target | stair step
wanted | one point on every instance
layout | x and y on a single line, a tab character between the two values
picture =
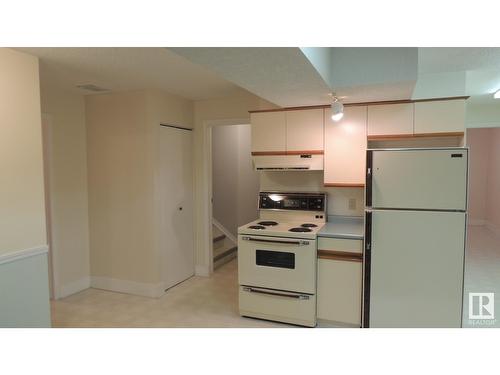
225	253
219	238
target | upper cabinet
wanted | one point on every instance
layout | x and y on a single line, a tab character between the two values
390	119
268	131
304	130
441	116
345	148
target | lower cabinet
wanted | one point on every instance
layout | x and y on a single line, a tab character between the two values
339	288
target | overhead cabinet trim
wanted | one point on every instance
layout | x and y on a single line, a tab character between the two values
402	101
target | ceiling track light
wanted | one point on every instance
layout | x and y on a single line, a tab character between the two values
496	95
337	108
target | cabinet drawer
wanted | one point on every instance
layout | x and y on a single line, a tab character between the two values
340	244
339	291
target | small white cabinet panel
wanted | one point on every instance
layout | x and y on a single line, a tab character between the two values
390	119
268	131
339	291
304	130
345	148
443	116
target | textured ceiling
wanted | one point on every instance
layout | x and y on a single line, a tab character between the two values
438	59
129	69
283	76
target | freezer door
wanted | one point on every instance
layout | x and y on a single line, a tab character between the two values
415	263
418	179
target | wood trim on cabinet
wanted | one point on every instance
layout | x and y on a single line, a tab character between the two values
304	152
340	255
267	153
340	184
382	137
401	101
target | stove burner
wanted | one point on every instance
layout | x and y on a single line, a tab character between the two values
256	227
267	223
308	225
300	229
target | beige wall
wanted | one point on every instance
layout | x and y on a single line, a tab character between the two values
493	190
67	173
235	183
478	141
22	207
484	178
122	146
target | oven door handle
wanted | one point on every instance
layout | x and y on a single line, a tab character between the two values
299	242
277	294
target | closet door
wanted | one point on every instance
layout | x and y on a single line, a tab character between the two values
176	205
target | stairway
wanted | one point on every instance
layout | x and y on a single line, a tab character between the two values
224	249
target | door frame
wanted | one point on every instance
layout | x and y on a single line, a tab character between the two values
207	241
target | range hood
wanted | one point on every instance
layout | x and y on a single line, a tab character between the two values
305	162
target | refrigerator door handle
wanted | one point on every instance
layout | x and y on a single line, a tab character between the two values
369	173
367	268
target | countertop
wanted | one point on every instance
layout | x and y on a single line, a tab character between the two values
343	227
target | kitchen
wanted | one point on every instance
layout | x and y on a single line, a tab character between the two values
334	178
292	140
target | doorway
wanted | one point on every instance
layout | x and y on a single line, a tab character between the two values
235	187
482	264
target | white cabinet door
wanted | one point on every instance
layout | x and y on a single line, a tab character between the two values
339	290
304	130
176	205
268	131
345	148
390	119
446	116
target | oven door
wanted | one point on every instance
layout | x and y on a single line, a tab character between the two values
277	263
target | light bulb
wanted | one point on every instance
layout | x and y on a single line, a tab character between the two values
338	116
337	110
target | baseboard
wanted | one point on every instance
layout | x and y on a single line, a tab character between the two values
224	230
202	270
476	222
73	287
129	287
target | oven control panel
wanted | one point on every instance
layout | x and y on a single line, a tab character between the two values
292	201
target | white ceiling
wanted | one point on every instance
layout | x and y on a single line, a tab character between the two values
129	69
284	76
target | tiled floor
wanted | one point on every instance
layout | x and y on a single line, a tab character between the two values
213	302
197	302
482	270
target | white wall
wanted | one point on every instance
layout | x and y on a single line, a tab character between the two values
312	181
68	193
235	183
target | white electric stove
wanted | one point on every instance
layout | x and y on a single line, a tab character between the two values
277	258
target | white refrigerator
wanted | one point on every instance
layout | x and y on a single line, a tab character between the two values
415	227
